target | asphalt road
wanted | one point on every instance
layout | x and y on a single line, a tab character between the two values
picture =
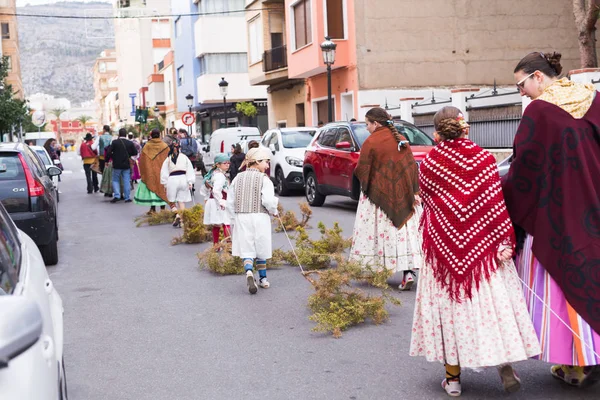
142	321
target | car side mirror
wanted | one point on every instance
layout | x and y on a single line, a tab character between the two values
272	148
343	145
21	326
54	171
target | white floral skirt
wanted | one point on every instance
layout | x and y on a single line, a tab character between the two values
378	243
491	328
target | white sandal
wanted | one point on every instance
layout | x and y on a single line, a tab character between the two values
452	387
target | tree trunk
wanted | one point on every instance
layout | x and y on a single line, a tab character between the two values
586	16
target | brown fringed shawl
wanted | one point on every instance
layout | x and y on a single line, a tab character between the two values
553	193
388	177
464	219
153	155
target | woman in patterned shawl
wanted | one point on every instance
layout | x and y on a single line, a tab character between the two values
552	192
469	309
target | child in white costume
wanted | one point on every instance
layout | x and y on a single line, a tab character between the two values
250	201
178	176
215	190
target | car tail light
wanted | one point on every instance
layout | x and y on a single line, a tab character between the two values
35	187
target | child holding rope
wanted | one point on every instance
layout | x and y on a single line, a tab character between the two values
214	191
251	199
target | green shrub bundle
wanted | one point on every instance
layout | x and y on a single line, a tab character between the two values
337	305
156	218
289	219
317	254
219	260
194	230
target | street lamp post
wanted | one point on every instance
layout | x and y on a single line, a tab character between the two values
223	85
190	102
328	50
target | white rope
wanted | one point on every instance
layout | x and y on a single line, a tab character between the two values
290	242
555	314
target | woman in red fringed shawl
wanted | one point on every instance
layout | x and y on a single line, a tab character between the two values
553	193
386	229
469	310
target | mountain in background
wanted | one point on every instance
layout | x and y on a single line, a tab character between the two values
57	55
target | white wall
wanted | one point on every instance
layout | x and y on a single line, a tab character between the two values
221	35
155	93
239	88
169	87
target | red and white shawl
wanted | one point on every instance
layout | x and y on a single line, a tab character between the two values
464	219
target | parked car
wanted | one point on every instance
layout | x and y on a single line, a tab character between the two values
287	146
222	139
27	192
31	321
45	159
331	158
504	165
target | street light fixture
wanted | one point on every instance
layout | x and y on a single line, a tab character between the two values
190	103
223	85
328	50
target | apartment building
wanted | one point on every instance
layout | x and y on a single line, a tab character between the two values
221	47
140	43
105	81
408	57
10	45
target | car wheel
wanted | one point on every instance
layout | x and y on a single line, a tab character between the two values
280	184
50	251
313	196
62	383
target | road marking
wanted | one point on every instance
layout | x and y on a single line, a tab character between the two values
67	171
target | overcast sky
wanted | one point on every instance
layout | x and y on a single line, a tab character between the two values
21	3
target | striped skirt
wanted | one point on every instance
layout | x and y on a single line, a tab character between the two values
559	344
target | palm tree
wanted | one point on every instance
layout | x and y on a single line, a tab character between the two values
57	112
83	119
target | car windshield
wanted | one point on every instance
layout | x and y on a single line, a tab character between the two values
296	139
42	154
412	134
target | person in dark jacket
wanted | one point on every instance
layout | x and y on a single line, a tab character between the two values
237	159
121	151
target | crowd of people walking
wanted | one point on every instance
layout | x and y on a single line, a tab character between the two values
509	269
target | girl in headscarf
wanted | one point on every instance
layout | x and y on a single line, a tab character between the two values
552	192
386	230
469	309
178	176
251	199
215	195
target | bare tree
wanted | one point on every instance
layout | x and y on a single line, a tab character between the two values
586	15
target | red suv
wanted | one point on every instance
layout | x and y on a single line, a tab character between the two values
332	155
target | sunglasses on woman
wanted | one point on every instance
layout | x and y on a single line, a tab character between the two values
521	83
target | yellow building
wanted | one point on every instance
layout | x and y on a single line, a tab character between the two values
10	45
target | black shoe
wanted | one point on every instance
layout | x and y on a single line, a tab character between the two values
128	201
107	195
96	190
90	192
115	200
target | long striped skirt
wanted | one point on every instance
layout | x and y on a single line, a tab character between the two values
559	344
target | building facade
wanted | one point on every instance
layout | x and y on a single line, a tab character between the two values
105	81
10	46
140	43
221	47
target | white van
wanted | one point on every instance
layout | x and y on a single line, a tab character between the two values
39	138
222	139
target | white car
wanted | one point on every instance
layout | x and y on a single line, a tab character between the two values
287	146
31	321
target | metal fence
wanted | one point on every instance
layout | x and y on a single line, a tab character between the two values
275	58
493	134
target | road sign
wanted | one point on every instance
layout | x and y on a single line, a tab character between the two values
188	118
38	118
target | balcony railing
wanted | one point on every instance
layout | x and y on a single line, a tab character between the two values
275	58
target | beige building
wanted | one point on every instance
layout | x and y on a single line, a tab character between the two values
105	81
267	63
10	45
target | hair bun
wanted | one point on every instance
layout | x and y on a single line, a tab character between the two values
554	61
